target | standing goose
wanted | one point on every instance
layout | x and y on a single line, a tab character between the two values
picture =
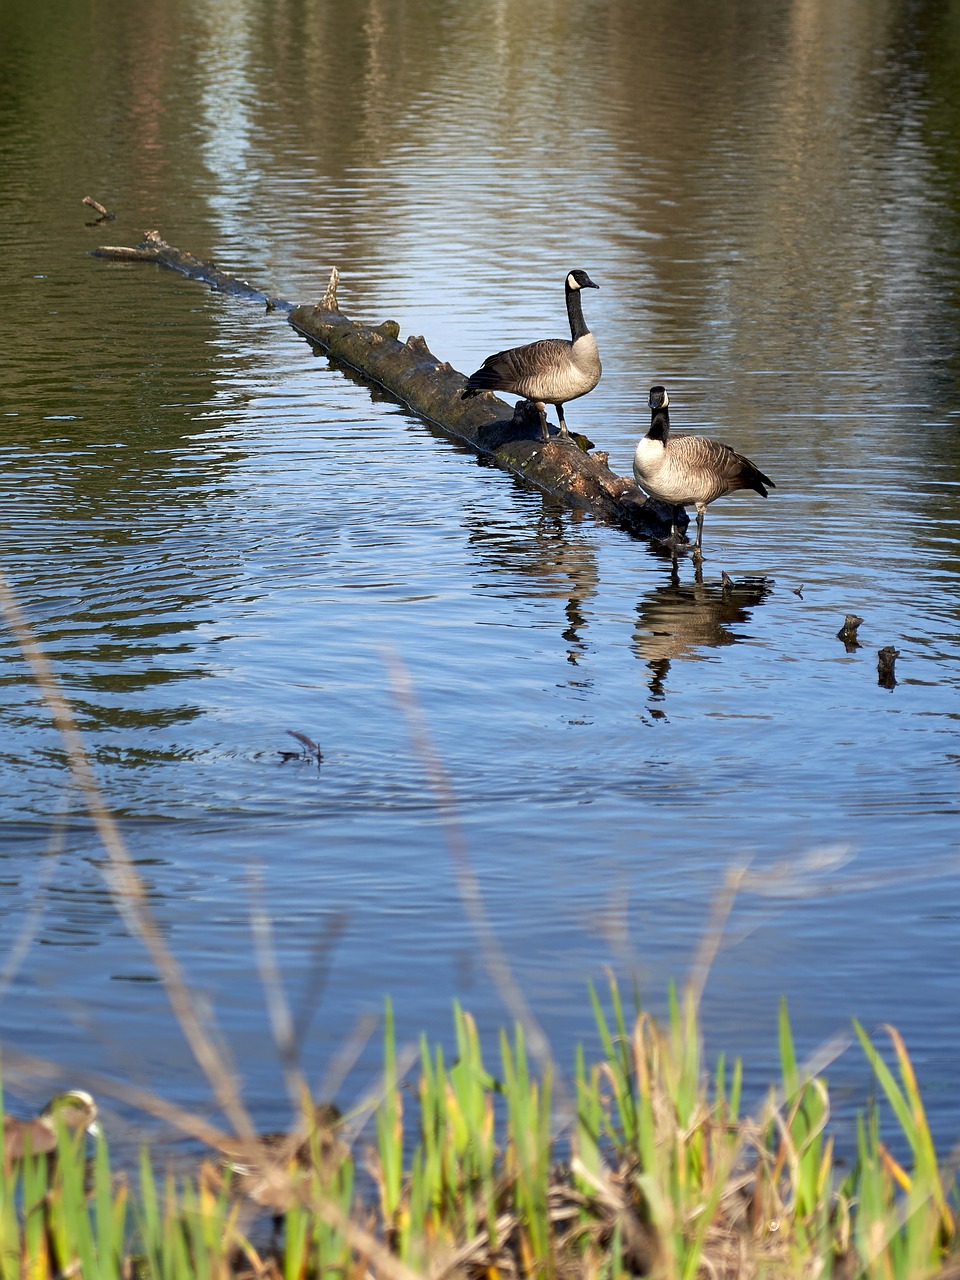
551	371
686	469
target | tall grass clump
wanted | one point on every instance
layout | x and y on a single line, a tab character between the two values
657	1171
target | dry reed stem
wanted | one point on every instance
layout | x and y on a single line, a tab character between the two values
318	975
278	1008
123	882
495	960
716	928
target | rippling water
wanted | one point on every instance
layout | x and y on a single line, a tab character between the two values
219	537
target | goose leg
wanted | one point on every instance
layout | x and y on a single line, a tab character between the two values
563	425
677	537
697	552
542	410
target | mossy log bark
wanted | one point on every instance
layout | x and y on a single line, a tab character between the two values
431	388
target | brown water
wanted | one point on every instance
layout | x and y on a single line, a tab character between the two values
219	538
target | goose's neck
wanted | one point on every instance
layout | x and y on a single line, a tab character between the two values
660	424
578	326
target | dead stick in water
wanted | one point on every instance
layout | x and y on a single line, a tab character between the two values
153	248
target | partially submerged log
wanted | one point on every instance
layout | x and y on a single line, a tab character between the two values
431	389
510	437
153	248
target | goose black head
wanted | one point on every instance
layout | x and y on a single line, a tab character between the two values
659	398
580	280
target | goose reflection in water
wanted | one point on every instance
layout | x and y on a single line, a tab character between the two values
541	563
675	621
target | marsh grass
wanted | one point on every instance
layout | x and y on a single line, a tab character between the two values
658	1173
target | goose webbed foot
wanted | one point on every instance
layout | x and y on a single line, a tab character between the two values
676	541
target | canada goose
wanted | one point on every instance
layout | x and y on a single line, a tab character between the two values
551	371
75	1109
686	469
261	1170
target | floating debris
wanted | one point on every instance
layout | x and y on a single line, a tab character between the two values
105	214
848	632
309	749
886	657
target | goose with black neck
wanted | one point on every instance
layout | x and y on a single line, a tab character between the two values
550	371
689	469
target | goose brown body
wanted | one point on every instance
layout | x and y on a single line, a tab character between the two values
261	1169
686	470
38	1135
550	371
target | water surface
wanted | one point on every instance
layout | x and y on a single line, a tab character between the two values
218	537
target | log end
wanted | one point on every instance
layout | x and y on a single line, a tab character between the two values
122	253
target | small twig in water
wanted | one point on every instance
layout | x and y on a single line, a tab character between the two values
309	749
105	214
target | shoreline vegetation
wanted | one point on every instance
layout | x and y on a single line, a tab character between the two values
656	1172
